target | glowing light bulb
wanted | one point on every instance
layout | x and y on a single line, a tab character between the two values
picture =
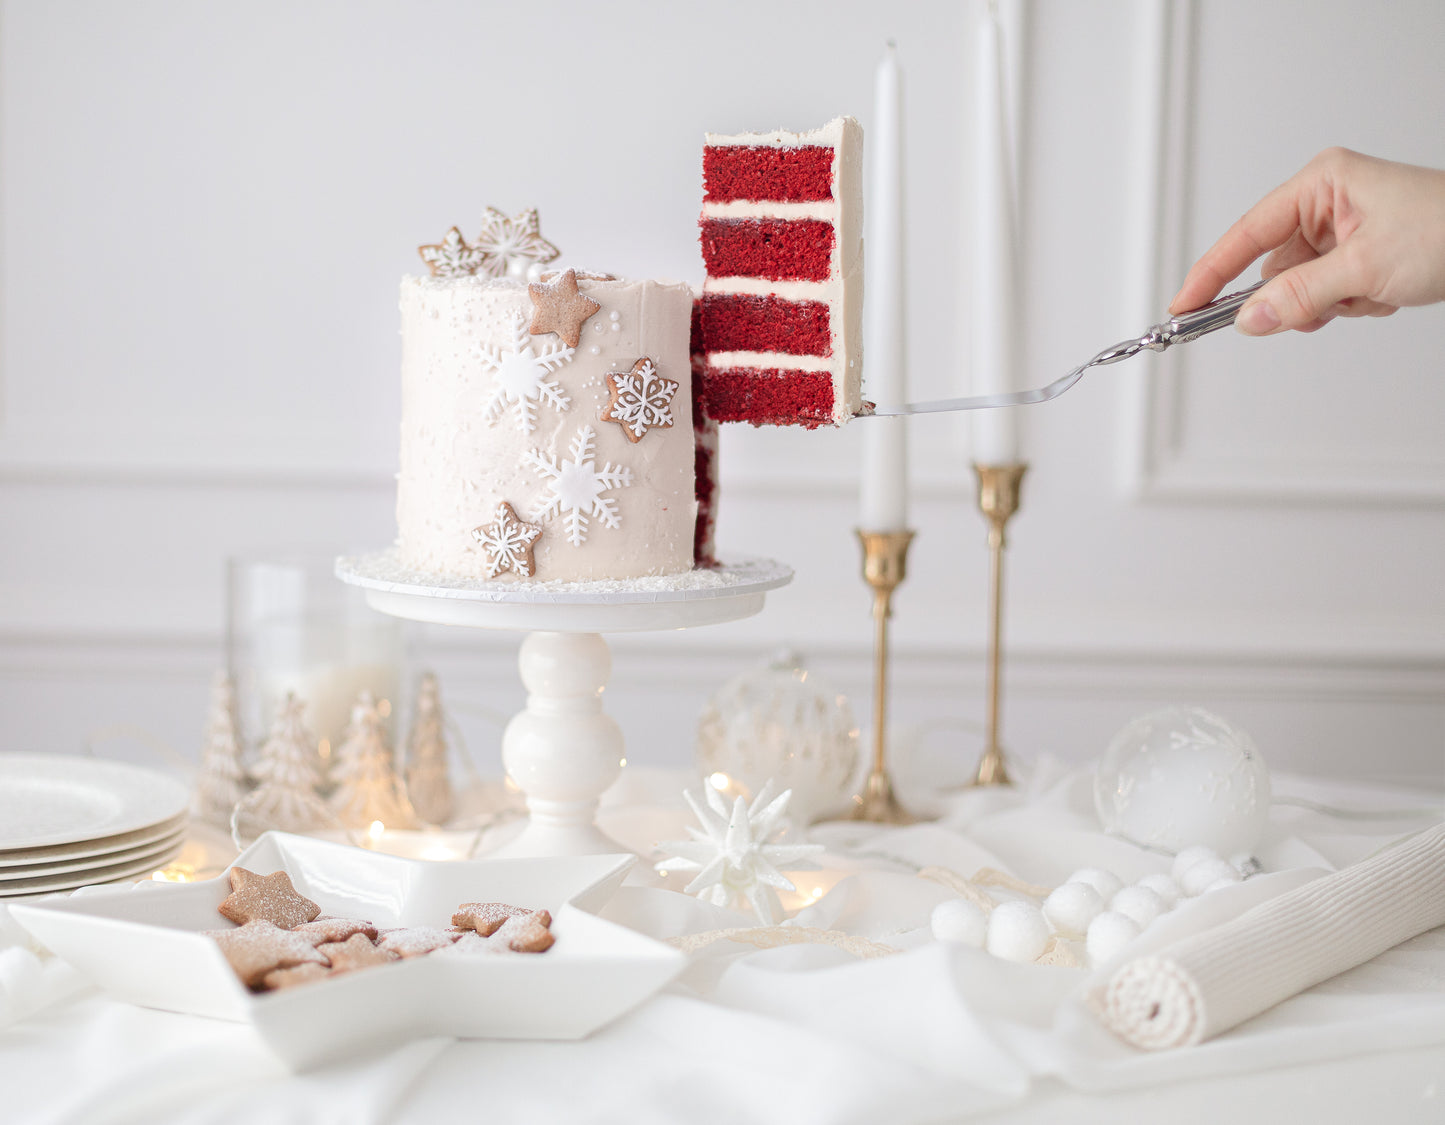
719	781
375	831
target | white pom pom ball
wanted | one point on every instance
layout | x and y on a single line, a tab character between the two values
1188	857
1017	931
1202	876
959	922
1138	903
1070	908
1108	934
1105	882
1163	886
1183	776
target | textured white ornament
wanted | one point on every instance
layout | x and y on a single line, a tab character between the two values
1109	933
1105	882
1017	931
576	487
959	922
736	864
781	723
1183	776
1163	886
1138	903
1070	908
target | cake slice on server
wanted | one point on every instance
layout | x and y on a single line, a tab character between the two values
781	308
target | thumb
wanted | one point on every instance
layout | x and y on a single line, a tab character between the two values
1300	297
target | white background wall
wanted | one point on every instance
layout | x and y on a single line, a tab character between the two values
205	208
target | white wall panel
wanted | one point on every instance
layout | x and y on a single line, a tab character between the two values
204	211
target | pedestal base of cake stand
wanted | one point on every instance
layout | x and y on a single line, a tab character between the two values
562	750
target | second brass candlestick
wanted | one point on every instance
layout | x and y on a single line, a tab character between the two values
998	500
885	558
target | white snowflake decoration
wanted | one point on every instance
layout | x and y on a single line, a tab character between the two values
509	246
576	487
641	400
519	376
735	863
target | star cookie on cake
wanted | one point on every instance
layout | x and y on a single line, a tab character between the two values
452	257
641	400
266	898
560	307
511	245
508	542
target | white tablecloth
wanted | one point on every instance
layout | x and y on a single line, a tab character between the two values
808	1033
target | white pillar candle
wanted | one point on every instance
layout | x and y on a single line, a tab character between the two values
884	494
995	327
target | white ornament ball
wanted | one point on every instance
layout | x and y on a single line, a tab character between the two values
959	922
1188	857
1017	932
1163	886
780	723
1070	908
1105	882
1108	934
1202	876
1183	776
1138	903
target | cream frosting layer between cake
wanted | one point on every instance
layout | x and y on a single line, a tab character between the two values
491	413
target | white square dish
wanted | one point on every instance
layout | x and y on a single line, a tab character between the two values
145	947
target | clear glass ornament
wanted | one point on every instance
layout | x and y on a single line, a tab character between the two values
780	722
1182	777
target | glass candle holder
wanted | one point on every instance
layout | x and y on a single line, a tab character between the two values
292	627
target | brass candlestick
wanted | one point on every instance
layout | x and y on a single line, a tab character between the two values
885	557
998	500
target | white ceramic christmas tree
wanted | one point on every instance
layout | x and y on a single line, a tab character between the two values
221	781
428	783
288	775
367	786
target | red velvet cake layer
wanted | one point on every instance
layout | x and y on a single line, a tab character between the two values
735	322
765	172
775	249
705	467
769	397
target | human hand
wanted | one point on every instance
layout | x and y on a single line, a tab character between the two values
1348	235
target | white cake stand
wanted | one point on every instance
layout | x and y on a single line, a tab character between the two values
561	749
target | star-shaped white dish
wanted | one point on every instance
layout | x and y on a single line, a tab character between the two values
144	947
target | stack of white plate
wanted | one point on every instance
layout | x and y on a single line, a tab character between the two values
67	822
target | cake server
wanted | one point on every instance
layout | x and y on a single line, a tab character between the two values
1176	330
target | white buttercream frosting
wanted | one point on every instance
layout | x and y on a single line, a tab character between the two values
466	445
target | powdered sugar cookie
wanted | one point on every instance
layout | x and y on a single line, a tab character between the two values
356	952
414	941
258	947
329	929
485	917
266	898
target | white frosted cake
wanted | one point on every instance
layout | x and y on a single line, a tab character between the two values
546	428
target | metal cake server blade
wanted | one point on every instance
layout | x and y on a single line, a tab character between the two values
1176	330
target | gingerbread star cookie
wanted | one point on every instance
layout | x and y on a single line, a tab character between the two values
452	257
414	941
485	917
525	933
326	929
356	952
268	898
296	974
641	400
507	542
560	307
258	947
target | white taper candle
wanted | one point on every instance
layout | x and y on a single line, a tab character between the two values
884	493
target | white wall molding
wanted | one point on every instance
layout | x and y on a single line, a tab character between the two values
1155	463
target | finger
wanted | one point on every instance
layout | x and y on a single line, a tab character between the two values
1300	296
1266	225
1363	306
1296	251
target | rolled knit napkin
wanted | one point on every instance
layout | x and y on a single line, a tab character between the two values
1209	983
